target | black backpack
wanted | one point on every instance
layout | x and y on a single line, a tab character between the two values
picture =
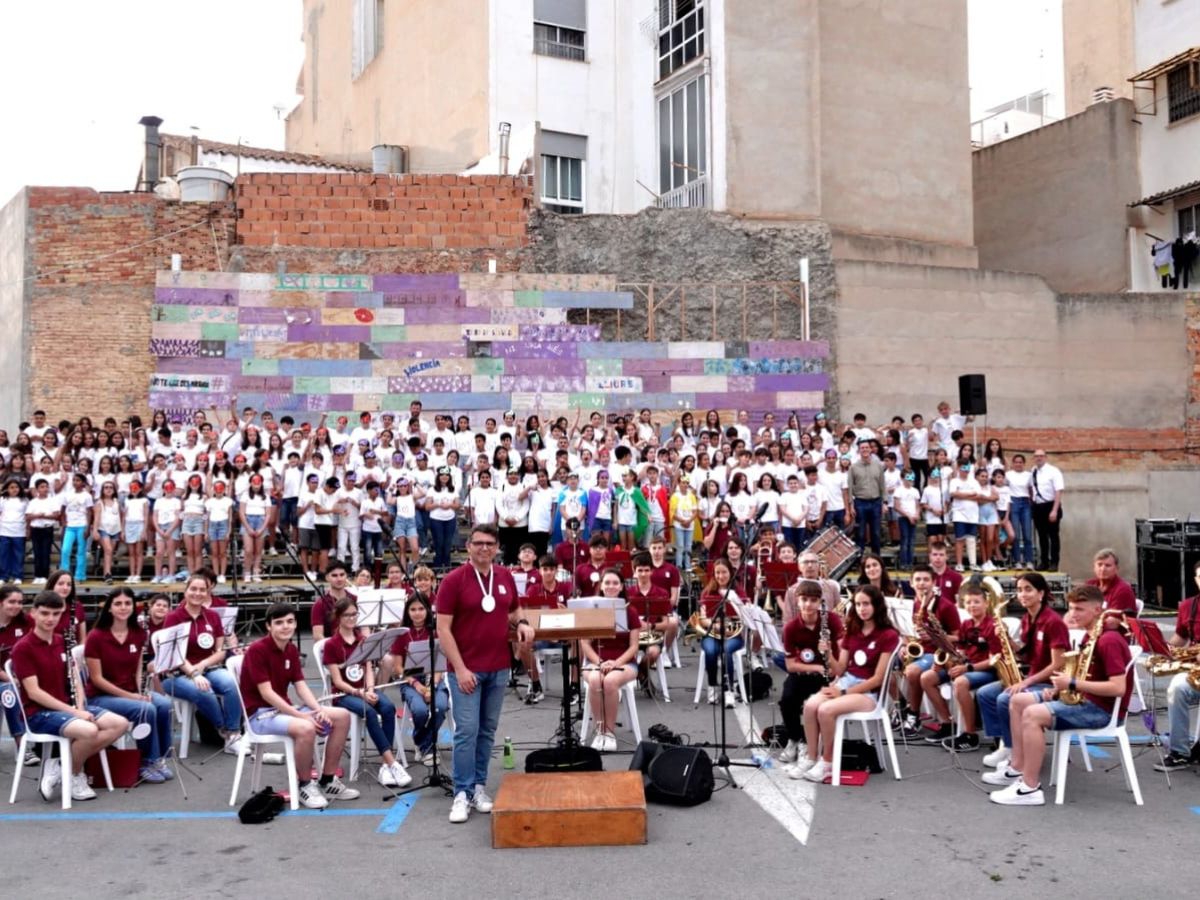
261	807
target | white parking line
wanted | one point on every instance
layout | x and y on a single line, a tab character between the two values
791	803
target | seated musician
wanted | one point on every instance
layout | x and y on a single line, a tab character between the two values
587	575
1105	683
427	697
927	604
423	585
667	576
321	615
270	665
861	665
39	663
807	657
719	587
14	625
810	570
363	579
1043	639
543	592
114	654
356	684
745	575
977	644
641	595
608	664
1181	696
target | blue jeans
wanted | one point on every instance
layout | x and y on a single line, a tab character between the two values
425	730
157	713
75	544
476	717
1181	697
224	714
381	718
424	528
794	536
867	513
835	517
1020	514
8	699
372	546
712	651
908	532
683	547
993	708
12	558
443	541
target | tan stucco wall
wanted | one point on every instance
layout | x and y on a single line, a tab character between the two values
427	88
1054	201
905	333
1097	49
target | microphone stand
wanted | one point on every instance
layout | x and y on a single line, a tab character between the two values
435	779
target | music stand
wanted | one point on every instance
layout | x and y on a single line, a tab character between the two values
228	616
170	652
380	607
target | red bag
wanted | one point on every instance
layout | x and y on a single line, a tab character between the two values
122	764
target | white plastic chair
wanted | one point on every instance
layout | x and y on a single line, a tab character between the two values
626	695
64	751
880	715
356	722
252	742
1114	729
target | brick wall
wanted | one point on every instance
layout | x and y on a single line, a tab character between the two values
413	212
1095	449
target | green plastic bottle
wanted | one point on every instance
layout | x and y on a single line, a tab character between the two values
509	760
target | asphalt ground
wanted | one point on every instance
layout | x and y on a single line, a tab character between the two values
933	833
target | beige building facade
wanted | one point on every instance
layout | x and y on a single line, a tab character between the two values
1097	50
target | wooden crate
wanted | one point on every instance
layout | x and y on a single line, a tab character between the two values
569	809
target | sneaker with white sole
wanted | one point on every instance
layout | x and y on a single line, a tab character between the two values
339	790
233	743
51	778
818	771
150	774
460	809
1019	794
610	742
80	789
712	695
220	579
797	769
598	742
311	796
1003	776
791	752
164	769
481	801
999	757
427	759
729	700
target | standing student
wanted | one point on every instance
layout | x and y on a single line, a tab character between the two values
442	505
905	503
166	531
404	526
137	513
350	529
13	525
684	508
192	522
43	513
77	506
108	525
272	664
372	513
1047	489
218	510
254	511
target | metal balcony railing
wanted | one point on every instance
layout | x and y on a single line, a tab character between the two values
693	195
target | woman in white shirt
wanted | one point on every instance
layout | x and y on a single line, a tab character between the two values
442	503
541	513
136	510
964	513
44	512
404	524
108	525
166	529
12	533
766	498
741	502
219	509
193	522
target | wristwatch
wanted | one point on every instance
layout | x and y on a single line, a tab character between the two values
970	667
522	621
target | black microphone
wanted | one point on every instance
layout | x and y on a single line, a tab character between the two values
762	511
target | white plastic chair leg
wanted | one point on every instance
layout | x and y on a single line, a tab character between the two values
1131	777
838	734
629	690
1060	773
662	678
289	753
237	774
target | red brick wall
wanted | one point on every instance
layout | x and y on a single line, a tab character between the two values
1097	448
413	212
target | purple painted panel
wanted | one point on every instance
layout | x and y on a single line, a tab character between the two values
435	384
756	400
201	366
817	382
427	297
354	299
418	350
533	350
401	282
174	347
323	402
447	315
196	296
779	349
545	367
560	333
656	384
740	383
662	367
266	315
545	385
315	333
262	382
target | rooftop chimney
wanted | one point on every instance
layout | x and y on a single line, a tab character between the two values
150	167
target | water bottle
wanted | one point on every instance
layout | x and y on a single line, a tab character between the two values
761	759
509	761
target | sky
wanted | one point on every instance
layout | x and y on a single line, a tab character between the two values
85	71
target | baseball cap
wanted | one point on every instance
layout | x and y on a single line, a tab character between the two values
831	454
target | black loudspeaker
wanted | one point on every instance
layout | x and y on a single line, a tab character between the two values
679	776
559	759
972	395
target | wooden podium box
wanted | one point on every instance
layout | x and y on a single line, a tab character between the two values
585	623
569	809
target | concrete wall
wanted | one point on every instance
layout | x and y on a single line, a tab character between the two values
1054	201
894	106
1052	362
427	89
14	311
1097	49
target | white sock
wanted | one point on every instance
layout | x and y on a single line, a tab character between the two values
971	551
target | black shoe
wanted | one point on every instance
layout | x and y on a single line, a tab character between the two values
1171	762
964	743
911	728
534	695
942	733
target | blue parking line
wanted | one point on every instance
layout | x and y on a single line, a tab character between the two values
1097	753
168	815
1196	810
395	816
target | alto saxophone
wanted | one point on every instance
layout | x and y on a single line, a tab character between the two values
1077	663
1004	663
914	649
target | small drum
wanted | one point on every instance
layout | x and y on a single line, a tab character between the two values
837	551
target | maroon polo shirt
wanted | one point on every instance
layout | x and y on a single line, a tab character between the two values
641	602
1042	635
32	656
335	653
413	636
20	626
205	634
865	649
589	587
947	584
80	616
1111	657
1118	595
801	642
120	661
482	637
537	597
564	553
947	615
612	648
265	662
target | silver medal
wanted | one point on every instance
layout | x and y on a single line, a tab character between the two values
489	603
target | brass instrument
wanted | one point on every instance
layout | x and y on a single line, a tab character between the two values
1180	659
648	637
1004	663
697	630
1077	663
913	647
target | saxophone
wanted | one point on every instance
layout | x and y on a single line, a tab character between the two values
1077	663
1004	663
913	649
945	654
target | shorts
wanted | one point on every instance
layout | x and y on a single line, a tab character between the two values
988	515
169	536
133	532
965	530
111	535
325	536
269	721
924	662
1064	716
255	522
309	539
193	527
405	527
848	681
935	529
975	680
52	721
218	531
626	529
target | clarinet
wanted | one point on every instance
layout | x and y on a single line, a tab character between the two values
824	635
69	640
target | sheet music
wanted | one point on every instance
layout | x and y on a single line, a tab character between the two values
418	657
556	621
381	606
617	605
170	646
375	646
228	616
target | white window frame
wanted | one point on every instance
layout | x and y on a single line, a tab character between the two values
366	35
691	168
556	48
673	30
570	204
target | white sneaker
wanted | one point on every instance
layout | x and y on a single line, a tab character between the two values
460	809
311	796
1019	794
1003	776
37	581
610	742
958	568
220	579
51	778
80	790
481	801
233	743
791	752
339	790
137	579
1000	757
818	771
989	566
271	551
427	759
598	742
712	696
394	775
797	769
729	701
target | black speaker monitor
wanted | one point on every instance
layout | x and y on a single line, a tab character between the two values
679	776
972	395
